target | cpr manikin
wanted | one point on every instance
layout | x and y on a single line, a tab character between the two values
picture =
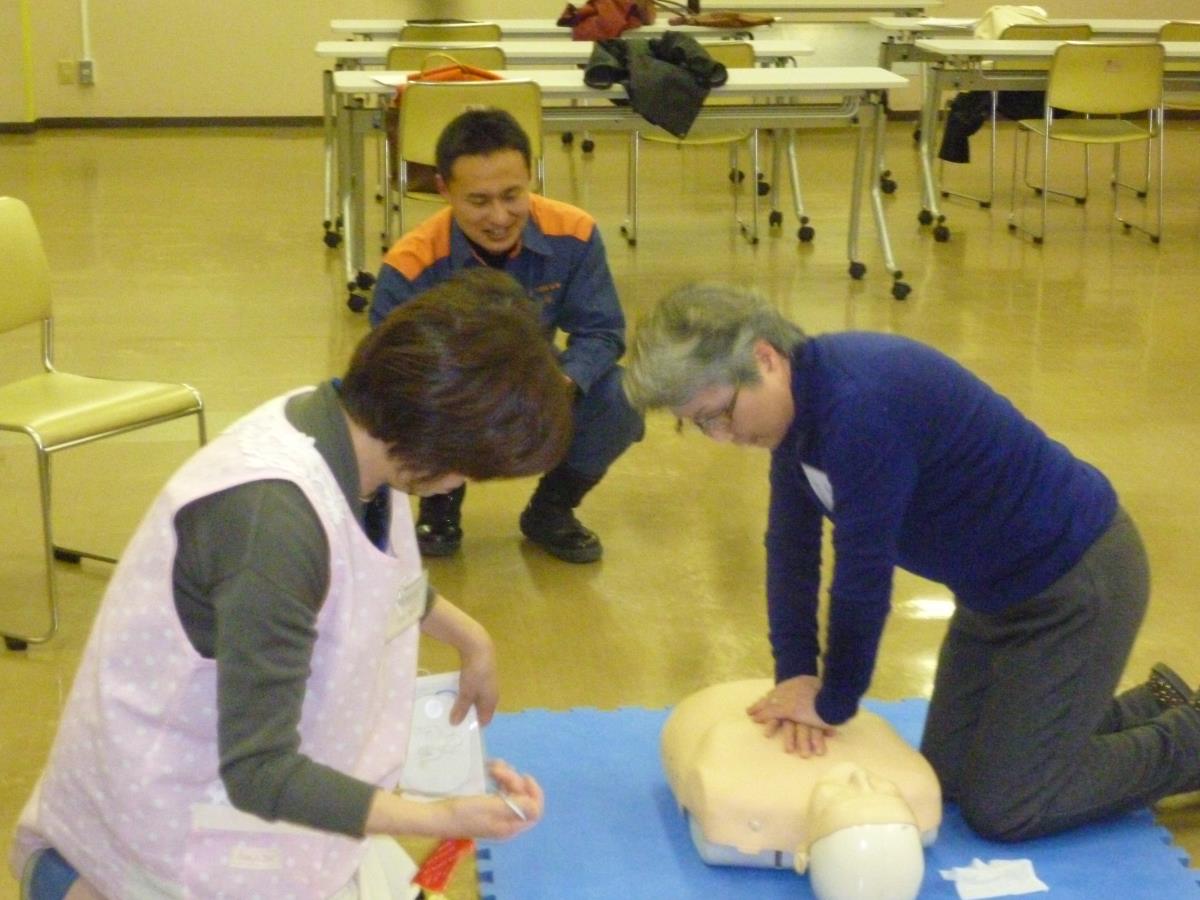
856	818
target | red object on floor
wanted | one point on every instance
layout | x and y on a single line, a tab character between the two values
435	872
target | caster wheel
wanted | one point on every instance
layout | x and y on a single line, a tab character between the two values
925	217
775	219
806	234
15	644
356	303
332	239
1037	240
1141	195
1154	238
587	146
917	134
857	270
364	280
763	189
379	198
1080	201
887	185
941	234
1126	227
1037	192
632	242
985	204
900	290
752	241
66	556
737	176
1012	227
568	139
945	194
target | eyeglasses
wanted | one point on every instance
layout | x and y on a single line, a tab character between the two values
721	419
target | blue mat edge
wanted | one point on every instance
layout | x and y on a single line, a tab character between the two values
484	874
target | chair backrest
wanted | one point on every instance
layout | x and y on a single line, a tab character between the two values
732	55
440	32
428	107
417	58
1031	32
24	272
1106	79
1180	31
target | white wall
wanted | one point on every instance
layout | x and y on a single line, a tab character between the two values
162	58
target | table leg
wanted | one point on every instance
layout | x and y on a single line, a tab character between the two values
930	211
331	223
353	120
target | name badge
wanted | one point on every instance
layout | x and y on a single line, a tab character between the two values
408	606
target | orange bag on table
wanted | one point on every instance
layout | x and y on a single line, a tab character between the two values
422	177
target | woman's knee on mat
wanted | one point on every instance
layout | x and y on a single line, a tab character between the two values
1000	819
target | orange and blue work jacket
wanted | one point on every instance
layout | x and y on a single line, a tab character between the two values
559	261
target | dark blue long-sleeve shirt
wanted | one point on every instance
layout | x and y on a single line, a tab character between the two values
921	465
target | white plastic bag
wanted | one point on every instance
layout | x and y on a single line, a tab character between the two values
993	22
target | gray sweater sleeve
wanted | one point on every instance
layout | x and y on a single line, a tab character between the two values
250	575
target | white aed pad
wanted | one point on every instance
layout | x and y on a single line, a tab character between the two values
443	759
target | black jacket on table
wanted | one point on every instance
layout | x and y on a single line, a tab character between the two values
666	78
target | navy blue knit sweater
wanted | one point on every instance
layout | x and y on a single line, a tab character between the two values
921	465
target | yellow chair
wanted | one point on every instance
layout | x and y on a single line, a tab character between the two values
1105	80
1025	32
445	32
57	410
429	106
1177	100
418	58
733	55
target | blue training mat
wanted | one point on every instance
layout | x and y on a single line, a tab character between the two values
612	828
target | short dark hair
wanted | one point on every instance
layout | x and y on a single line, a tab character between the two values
461	379
481	132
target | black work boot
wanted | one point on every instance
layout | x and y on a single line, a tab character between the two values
550	523
439	523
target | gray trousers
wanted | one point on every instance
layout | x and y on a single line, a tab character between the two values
1023	729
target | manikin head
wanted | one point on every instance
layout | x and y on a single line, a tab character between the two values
863	841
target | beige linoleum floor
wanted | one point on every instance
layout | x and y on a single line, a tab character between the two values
196	254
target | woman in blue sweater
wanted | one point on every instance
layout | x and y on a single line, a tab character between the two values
919	464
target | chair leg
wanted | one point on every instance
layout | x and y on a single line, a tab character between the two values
1044	188
387	191
1045	184
984	202
1144	190
21	641
630	226
52	552
755	167
1019	160
1155	235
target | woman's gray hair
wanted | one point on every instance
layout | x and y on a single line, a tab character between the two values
698	336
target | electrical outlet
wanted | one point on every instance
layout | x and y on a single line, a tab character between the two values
87	72
66	71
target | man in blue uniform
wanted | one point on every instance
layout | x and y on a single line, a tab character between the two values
555	252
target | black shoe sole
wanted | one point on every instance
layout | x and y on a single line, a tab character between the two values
440	549
569	554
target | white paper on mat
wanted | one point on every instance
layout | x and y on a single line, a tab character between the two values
995	878
443	759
